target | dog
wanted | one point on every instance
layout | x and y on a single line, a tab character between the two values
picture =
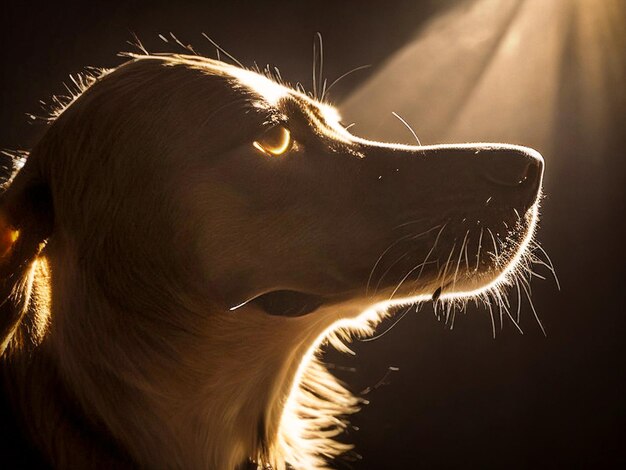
188	234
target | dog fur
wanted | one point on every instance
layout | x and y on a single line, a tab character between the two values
145	226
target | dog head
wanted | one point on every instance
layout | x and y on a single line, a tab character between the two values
219	227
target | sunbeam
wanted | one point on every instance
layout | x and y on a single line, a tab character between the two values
493	70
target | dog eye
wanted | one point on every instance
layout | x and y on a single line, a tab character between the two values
274	142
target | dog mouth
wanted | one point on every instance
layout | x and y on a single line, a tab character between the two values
457	264
461	254
288	303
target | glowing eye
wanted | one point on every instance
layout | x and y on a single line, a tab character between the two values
274	142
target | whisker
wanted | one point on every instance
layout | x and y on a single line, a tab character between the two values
508	313
412	222
408	127
421	266
480	245
467	268
495	246
400	317
458	263
318	66
369	279
532	306
430	252
445	270
493	321
314	71
341	77
406	237
526	282
449	311
382	277
519	299
550	265
411	271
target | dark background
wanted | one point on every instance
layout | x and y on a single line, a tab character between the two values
460	398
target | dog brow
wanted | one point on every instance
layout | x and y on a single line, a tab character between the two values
312	116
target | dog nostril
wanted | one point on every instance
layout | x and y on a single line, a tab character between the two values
526	173
513	169
532	172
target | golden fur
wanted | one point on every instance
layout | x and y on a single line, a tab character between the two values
145	215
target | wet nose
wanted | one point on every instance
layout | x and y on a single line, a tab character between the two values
515	167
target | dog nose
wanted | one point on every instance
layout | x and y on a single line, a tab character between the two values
514	167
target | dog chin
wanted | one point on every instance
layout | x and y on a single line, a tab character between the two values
469	286
498	270
489	271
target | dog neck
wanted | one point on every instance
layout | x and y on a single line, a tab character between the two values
233	388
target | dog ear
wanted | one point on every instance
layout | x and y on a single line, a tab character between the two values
26	220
